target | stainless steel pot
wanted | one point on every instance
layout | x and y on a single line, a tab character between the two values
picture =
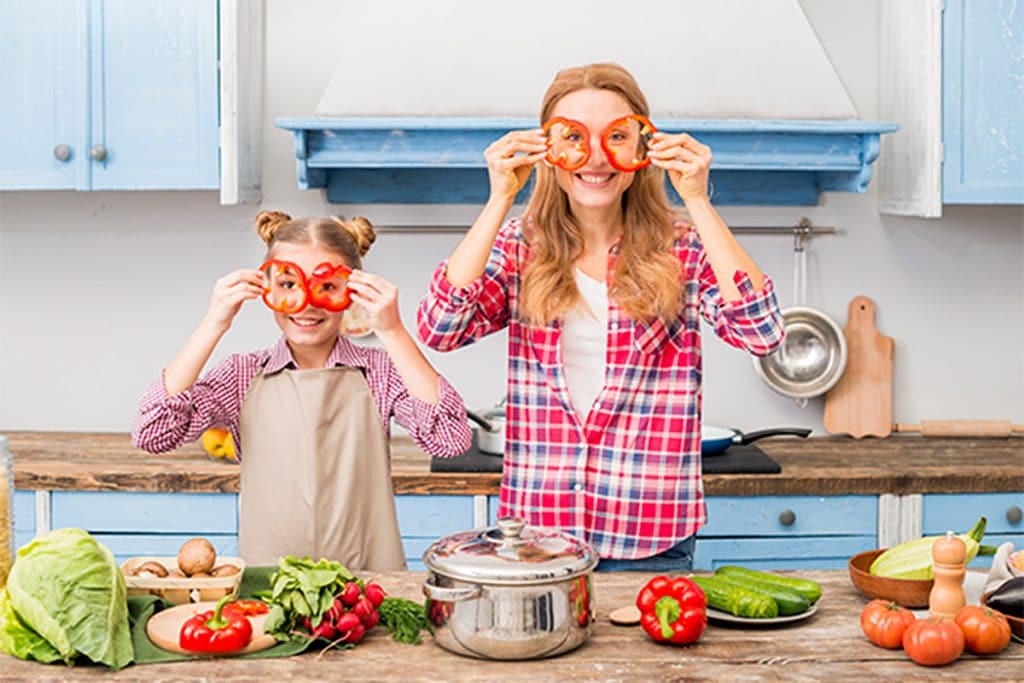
510	591
490	436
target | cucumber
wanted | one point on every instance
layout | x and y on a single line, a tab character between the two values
789	601
809	589
740	602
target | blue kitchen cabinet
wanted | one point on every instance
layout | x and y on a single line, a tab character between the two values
958	512
983	101
109	94
424	519
24	517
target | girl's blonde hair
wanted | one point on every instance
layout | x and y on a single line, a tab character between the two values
646	281
350	239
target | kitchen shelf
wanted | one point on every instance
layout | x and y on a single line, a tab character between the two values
439	160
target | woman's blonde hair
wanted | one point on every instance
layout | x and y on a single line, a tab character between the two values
646	281
350	239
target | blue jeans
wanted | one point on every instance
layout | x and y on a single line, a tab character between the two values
678	558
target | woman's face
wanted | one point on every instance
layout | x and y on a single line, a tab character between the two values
596	184
310	327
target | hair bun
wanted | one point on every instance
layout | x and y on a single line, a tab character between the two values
269	222
361	231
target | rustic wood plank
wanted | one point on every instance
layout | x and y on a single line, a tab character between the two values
900	464
830	645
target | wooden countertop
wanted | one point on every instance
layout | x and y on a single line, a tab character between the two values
820	466
828	646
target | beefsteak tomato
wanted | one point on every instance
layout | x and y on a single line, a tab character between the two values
884	622
933	642
986	631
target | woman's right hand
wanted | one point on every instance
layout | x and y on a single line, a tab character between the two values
511	158
229	293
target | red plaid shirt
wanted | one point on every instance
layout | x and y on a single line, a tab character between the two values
625	477
167	422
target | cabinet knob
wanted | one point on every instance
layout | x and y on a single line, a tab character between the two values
62	152
98	152
1014	514
787	518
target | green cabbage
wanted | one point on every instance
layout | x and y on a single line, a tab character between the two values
19	640
66	588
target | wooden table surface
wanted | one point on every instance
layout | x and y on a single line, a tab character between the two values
828	646
819	466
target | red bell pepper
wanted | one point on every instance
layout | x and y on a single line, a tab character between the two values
328	287
284	286
625	142
568	143
214	631
672	610
247	608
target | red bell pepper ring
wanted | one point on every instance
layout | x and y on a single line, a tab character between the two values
328	287
246	608
568	143
625	142
672	610
216	632
284	286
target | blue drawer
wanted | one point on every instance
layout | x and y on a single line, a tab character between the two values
24	511
22	537
414	549
813	515
434	516
124	512
819	552
959	512
133	545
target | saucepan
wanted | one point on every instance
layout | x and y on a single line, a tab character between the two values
715	440
490	436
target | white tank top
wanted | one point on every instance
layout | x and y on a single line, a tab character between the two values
584	343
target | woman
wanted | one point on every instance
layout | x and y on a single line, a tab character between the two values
602	288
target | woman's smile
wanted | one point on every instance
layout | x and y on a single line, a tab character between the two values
306	322
594	180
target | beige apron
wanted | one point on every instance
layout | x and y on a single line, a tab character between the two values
316	472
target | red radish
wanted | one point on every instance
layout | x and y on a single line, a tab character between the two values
350	594
371	620
362	608
347	622
375	592
325	630
355	635
307	624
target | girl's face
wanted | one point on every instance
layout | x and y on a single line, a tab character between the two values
312	326
596	184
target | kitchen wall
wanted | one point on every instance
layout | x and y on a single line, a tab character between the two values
99	290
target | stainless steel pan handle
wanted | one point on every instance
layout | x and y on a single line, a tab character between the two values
442	594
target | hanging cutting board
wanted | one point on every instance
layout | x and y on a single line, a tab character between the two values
163	629
860	404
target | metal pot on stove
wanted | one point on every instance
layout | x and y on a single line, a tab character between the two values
490	431
510	591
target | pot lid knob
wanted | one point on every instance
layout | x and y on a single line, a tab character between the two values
511	527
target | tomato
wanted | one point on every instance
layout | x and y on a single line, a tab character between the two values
884	622
933	642
986	631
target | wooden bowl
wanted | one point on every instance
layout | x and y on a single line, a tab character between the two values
911	593
1016	623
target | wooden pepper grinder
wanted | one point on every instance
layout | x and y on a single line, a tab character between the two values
947	596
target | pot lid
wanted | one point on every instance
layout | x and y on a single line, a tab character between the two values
510	553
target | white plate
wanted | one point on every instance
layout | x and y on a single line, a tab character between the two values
725	617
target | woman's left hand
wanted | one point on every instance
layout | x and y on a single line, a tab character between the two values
379	298
687	161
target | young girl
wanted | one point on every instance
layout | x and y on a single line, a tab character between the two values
602	288
310	416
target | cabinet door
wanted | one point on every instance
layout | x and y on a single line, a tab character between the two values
983	97
154	94
44	80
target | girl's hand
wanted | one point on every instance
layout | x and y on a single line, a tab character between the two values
379	298
511	158
229	293
687	161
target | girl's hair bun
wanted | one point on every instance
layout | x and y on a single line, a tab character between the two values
269	222
360	230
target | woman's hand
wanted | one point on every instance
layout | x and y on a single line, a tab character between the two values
230	292
379	298
687	161
511	158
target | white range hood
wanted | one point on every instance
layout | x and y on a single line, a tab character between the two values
422	88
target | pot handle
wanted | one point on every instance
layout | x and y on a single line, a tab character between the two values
482	421
442	594
778	431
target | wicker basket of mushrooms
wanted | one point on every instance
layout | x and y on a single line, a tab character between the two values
196	574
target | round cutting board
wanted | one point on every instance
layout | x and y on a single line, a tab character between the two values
163	629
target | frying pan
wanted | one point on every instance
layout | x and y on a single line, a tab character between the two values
715	440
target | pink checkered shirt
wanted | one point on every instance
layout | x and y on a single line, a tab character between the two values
627	478
167	422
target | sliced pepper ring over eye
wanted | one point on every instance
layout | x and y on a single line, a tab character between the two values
284	286
626	140
328	287
568	143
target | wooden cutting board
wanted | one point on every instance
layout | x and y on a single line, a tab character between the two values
163	629
860	404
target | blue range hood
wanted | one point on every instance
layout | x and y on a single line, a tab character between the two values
439	160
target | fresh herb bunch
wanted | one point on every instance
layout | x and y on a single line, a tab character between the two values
404	619
302	589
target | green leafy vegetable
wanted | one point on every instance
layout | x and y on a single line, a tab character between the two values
19	640
404	619
66	588
301	589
